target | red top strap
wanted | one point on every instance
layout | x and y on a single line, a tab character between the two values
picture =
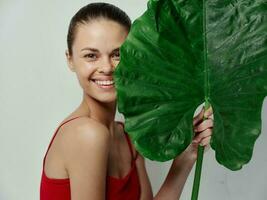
129	142
55	136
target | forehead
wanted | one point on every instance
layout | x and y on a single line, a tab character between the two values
102	34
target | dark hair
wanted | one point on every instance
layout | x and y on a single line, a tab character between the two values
95	11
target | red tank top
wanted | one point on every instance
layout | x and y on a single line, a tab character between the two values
124	188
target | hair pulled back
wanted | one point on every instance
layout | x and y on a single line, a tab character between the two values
94	11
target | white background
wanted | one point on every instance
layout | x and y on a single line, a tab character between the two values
37	91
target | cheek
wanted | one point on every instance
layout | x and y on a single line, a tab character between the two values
84	74
86	70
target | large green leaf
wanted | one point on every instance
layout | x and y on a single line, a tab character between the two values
180	53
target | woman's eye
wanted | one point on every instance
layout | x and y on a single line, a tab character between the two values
90	56
116	56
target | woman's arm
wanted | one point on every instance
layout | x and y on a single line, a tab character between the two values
146	189
174	182
182	165
173	185
86	154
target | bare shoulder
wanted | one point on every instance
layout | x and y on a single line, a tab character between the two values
85	153
81	136
84	128
84	122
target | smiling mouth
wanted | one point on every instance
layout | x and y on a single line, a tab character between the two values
104	83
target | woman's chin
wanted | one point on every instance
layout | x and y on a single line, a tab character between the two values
106	98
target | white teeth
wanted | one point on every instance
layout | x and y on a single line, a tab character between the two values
104	82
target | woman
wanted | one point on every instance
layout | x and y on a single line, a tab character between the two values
90	156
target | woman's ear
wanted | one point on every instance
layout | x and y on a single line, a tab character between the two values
69	60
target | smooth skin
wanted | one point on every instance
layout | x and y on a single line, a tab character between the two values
93	146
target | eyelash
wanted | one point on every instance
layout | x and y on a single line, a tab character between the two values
116	55
92	56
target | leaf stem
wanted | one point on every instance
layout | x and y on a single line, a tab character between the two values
200	154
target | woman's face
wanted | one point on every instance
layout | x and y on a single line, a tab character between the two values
95	54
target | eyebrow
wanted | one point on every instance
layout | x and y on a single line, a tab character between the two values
117	49
89	48
96	50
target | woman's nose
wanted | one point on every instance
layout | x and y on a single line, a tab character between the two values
106	66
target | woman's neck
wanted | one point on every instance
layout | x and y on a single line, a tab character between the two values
102	112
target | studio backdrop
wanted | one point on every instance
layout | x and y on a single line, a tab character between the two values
37	91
